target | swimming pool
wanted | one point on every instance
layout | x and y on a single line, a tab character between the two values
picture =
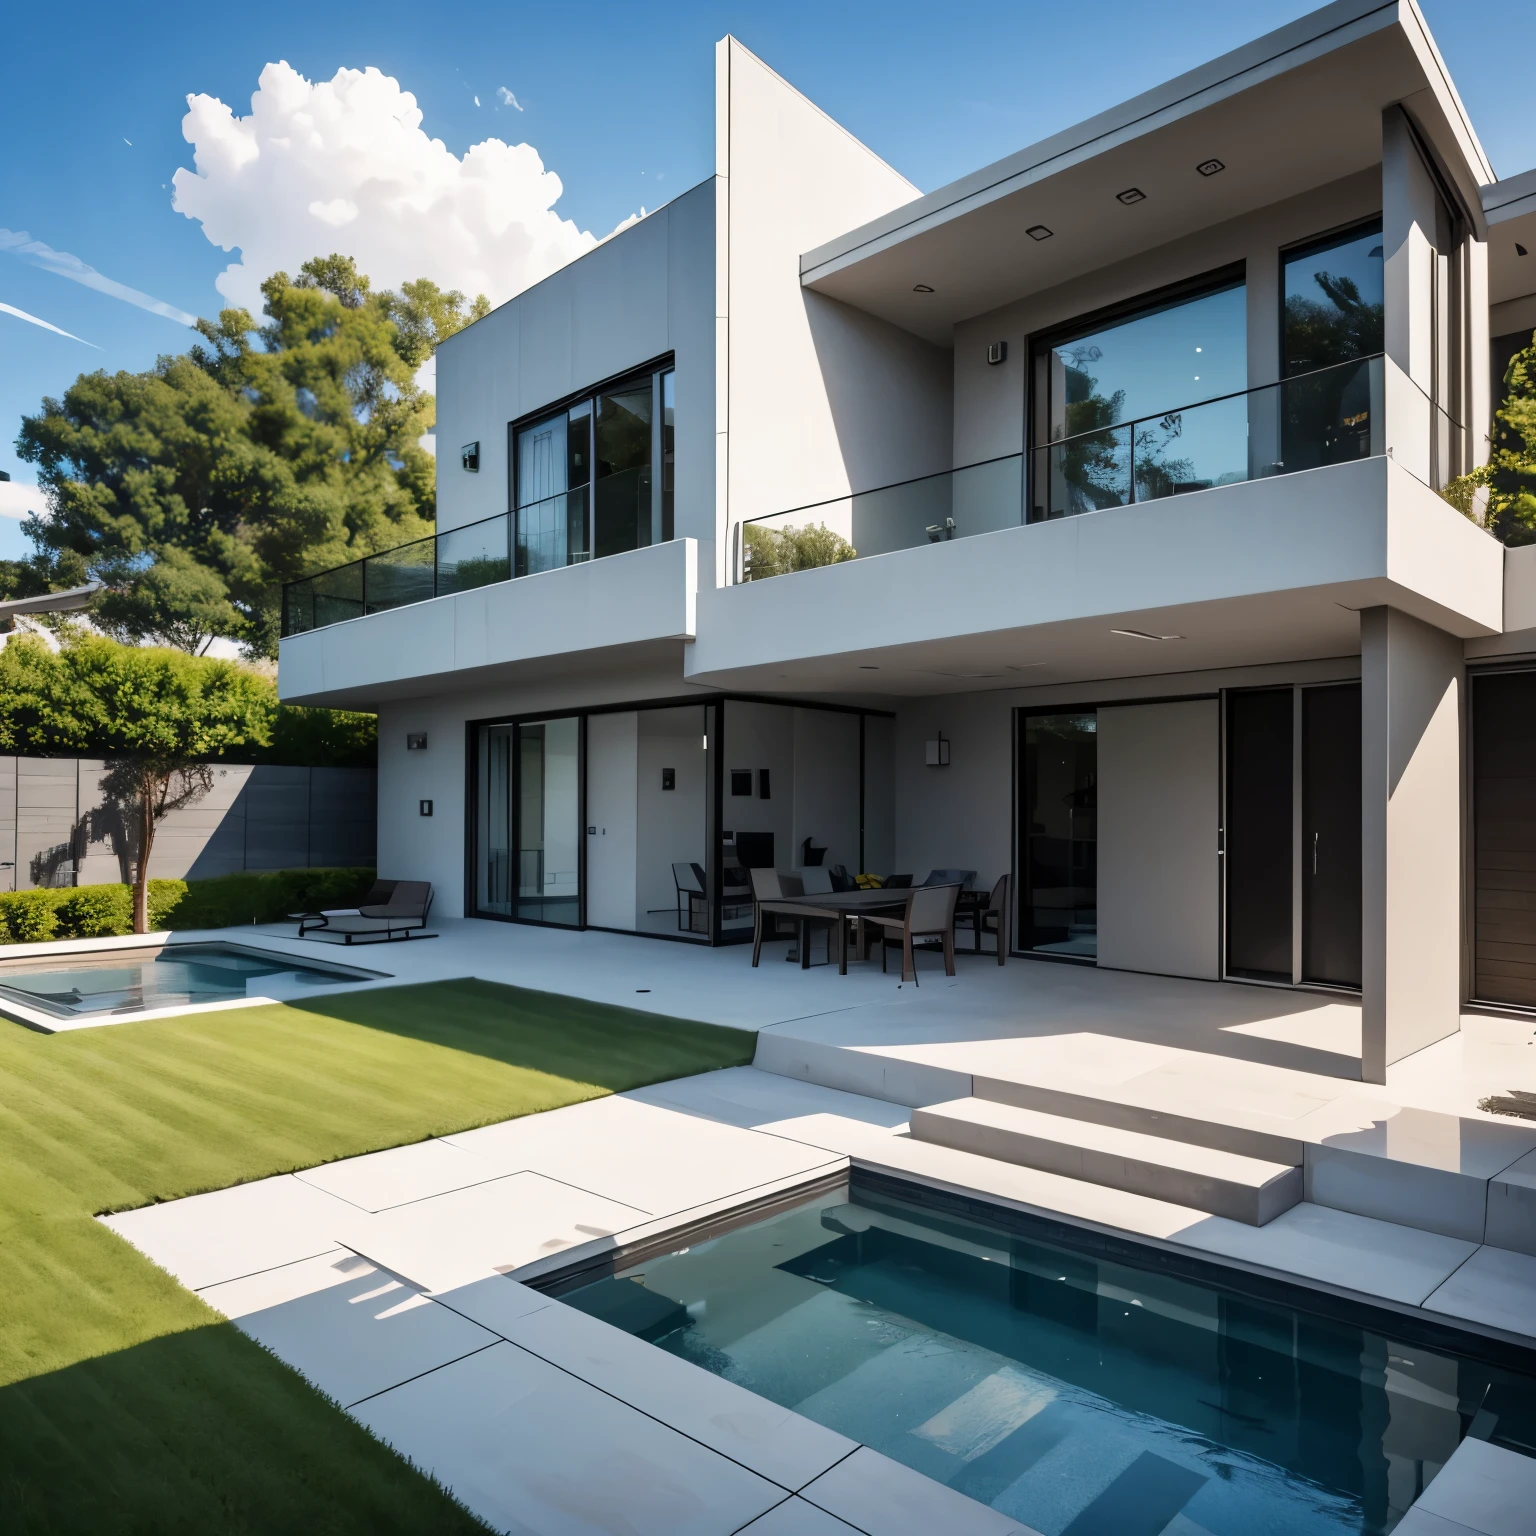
102	983
1084	1388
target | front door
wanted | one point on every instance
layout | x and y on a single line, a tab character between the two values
1330	835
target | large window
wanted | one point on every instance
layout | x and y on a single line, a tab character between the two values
1130	408
1331	320
595	478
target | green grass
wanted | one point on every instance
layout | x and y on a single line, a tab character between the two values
126	1404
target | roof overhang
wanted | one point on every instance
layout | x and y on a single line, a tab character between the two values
1297	109
1510	207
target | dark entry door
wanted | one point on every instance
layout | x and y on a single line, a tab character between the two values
1258	829
1330	842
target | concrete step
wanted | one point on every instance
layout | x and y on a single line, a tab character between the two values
1248	1134
1246	1189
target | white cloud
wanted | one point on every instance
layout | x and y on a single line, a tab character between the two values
21	314
477	101
17	242
276	184
507	98
19	501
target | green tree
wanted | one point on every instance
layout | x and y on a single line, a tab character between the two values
1509	476
773	552
157	715
195	489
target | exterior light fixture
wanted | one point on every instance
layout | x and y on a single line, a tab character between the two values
1141	634
1038	232
865	666
416	741
997	353
426	807
936	752
1131	195
921	288
469	457
1210	167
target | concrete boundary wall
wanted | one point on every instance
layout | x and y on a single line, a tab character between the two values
56	828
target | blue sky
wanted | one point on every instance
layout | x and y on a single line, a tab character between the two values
616	99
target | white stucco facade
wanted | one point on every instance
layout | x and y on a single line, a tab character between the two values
833	331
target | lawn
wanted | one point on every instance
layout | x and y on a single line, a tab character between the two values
126	1404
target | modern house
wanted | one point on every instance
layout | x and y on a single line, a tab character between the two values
1079	521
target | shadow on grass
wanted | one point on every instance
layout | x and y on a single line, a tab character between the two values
589	1042
196	1432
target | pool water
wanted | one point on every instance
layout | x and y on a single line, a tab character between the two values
176	975
1070	1390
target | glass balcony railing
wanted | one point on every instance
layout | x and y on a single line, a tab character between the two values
1329	416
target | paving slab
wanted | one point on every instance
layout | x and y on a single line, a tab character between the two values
379	1180
1494	1287
206	1239
886	1498
1486	1488
794	1517
649	1156
493	1228
350	1329
773	1441
533	1451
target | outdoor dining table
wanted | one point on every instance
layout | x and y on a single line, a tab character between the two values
835	907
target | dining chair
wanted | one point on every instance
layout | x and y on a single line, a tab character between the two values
816	882
930	913
688	880
960	877
995	918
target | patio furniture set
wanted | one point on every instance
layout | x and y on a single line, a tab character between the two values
392	909
897	915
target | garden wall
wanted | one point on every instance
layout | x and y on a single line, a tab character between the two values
56	828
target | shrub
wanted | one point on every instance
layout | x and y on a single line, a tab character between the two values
98	911
93	911
29	916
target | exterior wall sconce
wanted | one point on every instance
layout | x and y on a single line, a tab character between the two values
469	457
937	752
669	778
426	807
997	353
416	741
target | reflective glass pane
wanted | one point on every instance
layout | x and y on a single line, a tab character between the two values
338	594
622	490
1333	301
546	799
298	607
1162	359
1331	416
1059	832
668	451
400	576
494	888
474	556
1192	450
552	533
1085	474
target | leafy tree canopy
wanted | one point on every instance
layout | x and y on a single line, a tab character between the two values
1509	476
775	552
195	489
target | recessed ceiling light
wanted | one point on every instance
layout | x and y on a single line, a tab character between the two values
1038	232
921	288
1210	167
864	666
1141	634
1131	195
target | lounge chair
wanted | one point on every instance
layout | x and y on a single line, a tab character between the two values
401	915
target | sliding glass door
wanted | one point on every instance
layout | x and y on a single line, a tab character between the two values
1058	823
528	853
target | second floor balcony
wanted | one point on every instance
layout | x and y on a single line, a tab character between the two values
1334	415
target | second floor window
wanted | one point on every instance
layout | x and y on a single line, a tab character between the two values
596	477
1143	403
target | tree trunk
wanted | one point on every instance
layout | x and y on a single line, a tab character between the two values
146	843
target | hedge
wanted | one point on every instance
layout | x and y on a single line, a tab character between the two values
96	911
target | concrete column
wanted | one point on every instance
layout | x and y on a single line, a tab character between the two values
1411	689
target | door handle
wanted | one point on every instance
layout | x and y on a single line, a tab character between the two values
1314	852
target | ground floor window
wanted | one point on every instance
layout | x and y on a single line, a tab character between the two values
1058	827
652	819
1504	838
